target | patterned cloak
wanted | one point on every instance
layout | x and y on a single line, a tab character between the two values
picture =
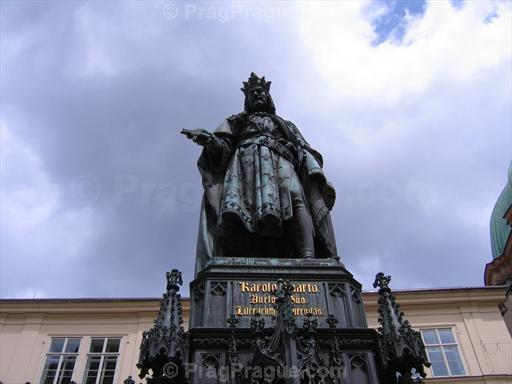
248	179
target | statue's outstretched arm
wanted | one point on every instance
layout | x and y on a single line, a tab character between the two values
199	136
217	147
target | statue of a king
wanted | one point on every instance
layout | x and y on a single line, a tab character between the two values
265	193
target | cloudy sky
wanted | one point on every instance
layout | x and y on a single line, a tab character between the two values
409	103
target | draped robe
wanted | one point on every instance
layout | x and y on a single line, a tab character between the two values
249	172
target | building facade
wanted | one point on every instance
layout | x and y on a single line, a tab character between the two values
96	341
499	270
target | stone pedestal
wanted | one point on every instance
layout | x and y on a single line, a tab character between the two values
244	287
285	321
239	324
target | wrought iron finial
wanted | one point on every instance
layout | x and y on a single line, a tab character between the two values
232	321
284	289
381	281
283	305
332	321
402	350
166	342
174	280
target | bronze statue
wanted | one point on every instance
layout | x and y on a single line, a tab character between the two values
265	192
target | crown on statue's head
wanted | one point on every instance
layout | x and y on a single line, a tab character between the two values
254	81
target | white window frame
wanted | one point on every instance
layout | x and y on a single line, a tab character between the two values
441	345
61	355
102	356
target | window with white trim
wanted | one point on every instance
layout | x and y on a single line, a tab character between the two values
443	352
60	360
102	360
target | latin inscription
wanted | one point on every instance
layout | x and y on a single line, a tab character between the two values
261	299
245	286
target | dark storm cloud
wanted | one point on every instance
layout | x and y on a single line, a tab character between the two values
98	92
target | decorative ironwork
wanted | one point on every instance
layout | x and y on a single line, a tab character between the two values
336	354
285	317
332	321
279	350
199	293
232	353
402	350
166	342
336	289
232	321
310	324
218	288
257	323
210	361
310	365
356	297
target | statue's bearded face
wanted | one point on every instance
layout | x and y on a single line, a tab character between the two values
257	98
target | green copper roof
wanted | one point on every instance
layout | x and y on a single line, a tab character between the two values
500	230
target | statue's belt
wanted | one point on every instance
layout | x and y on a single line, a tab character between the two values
270	142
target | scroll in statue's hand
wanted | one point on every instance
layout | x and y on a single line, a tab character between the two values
199	136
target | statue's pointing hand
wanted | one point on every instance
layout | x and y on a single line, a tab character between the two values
199	136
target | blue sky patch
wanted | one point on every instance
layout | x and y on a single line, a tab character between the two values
490	17
391	25
457	3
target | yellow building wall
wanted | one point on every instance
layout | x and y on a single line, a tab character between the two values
481	334
27	326
25	338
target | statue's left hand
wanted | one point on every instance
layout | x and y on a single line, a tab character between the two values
199	136
329	195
